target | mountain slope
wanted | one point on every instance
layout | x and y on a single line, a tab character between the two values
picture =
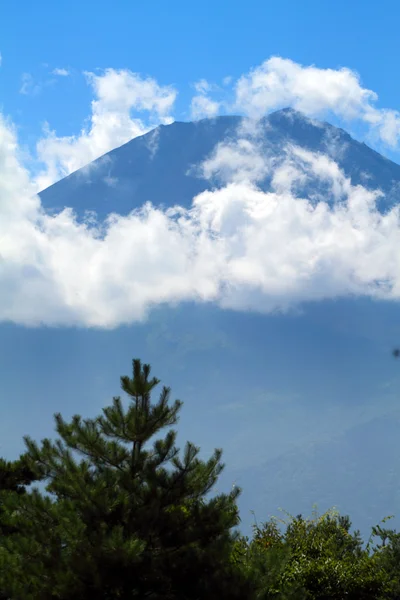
358	472
158	167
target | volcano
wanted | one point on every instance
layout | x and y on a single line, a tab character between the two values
304	403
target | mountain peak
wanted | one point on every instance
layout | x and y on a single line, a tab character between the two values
158	166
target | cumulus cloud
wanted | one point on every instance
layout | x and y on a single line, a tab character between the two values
316	92
120	99
237	246
280	82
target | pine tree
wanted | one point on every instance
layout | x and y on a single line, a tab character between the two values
121	518
14	477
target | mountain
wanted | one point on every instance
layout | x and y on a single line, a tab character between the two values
158	167
305	405
360	467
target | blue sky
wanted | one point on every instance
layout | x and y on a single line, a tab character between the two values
180	43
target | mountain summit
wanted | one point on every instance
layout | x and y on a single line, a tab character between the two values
159	166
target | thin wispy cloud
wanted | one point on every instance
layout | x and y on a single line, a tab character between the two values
60	72
209	101
204	107
238	161
29	87
203	86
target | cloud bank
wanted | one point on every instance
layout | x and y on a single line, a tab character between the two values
238	247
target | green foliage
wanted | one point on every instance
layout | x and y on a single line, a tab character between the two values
121	518
387	556
315	558
14	477
124	515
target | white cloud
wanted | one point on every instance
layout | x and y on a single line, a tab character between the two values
61	72
28	85
237	246
316	92
203	86
120	97
238	161
203	107
279	82
111	181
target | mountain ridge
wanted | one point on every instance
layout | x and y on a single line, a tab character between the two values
146	168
